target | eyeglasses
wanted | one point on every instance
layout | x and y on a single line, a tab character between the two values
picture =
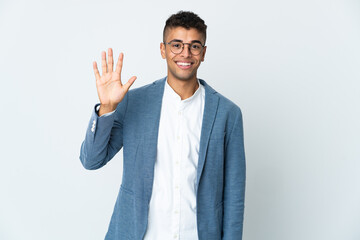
177	47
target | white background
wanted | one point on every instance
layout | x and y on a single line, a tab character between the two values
292	66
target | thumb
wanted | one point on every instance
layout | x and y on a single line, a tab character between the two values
129	83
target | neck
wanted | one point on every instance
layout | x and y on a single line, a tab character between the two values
184	89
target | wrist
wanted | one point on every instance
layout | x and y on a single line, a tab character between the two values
106	108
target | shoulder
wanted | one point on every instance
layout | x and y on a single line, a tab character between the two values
225	106
137	98
143	90
226	103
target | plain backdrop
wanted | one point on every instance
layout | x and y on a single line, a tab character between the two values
293	67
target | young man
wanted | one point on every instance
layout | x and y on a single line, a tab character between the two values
184	162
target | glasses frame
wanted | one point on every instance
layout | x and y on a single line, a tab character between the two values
178	41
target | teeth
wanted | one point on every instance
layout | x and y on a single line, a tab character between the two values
183	64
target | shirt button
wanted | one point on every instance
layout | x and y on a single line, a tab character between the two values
179	113
176	187
175	236
176	211
178	138
177	162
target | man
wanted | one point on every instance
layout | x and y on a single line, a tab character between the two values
184	163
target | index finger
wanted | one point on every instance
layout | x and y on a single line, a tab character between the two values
119	63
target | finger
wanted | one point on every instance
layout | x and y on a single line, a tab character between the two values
119	63
110	60
96	71
103	62
129	83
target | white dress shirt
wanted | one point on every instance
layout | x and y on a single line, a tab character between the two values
172	210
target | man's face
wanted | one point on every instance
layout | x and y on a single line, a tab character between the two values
182	66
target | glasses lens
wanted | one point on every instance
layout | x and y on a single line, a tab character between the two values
176	47
195	48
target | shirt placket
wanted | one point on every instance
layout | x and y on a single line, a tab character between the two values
177	172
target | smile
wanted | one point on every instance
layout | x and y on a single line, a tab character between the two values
184	65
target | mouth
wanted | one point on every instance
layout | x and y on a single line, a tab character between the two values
184	65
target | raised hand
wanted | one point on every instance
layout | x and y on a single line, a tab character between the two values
110	89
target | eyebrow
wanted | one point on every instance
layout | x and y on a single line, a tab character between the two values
193	41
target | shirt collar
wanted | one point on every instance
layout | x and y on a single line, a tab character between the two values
174	98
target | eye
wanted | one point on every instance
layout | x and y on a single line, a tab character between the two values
196	46
176	45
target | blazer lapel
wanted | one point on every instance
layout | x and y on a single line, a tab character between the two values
153	109
210	109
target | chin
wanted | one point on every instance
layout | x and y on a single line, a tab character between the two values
187	77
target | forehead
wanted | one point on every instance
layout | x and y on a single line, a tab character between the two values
186	35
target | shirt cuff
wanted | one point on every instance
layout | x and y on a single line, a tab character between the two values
97	107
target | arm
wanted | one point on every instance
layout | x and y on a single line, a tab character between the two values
104	134
103	137
235	175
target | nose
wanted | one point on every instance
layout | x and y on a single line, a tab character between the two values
186	51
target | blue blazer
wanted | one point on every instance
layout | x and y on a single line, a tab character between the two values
220	184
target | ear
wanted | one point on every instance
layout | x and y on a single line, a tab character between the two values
162	50
203	54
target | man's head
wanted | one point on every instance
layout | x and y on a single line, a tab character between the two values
183	45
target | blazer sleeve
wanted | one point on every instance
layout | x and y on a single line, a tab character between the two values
234	182
104	137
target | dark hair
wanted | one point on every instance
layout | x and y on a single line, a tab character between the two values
186	20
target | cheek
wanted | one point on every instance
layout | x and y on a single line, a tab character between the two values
168	56
171	57
169	61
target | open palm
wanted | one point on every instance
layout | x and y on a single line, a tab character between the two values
110	89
